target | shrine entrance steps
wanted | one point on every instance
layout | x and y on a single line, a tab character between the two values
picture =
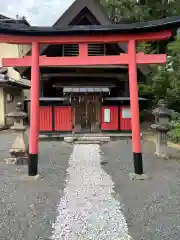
87	139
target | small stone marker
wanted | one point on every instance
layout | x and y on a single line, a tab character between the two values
162	126
18	151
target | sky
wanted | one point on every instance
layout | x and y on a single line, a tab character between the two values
37	12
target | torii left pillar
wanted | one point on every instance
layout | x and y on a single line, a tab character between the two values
135	120
34	111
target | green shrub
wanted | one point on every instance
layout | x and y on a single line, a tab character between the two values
174	133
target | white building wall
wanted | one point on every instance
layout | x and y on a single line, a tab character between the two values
11	51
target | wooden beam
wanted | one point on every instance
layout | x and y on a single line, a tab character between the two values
142	58
83	74
83	50
134	103
66	61
16	62
70	85
85	60
34	112
76	39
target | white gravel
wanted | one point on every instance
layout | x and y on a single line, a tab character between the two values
88	210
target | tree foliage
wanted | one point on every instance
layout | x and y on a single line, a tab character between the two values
121	10
142	10
163	81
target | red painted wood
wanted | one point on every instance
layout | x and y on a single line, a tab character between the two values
67	61
83	49
100	38
34	107
63	118
45	118
113	125
125	123
85	60
142	58
133	89
25	61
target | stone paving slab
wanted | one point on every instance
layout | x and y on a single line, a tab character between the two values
151	207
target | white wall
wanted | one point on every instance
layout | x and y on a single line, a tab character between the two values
13	51
2	120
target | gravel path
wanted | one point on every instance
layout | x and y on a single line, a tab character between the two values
88	210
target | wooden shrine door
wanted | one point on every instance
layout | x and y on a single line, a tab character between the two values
86	113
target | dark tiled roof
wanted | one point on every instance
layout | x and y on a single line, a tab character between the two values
86	90
6	81
8	20
155	25
4	17
3	70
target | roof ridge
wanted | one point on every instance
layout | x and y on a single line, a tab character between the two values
2	16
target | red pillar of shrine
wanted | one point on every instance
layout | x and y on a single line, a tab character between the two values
133	87
34	112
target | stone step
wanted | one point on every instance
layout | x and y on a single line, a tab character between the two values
87	138
87	142
94	138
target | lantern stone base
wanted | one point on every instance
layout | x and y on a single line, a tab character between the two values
134	176
161	145
18	156
162	156
16	161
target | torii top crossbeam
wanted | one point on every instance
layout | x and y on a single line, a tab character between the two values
144	31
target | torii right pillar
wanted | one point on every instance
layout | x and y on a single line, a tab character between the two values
134	102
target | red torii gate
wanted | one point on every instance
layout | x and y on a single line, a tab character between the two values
83	36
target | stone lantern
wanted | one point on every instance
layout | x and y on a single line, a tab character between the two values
162	126
18	150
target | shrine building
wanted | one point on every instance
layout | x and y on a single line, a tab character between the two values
84	99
